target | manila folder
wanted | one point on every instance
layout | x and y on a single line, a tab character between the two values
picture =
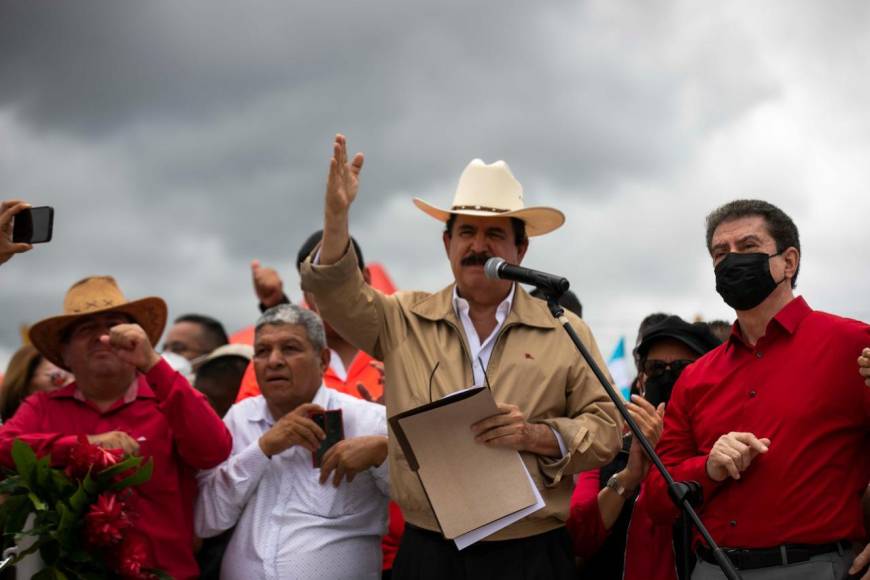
468	484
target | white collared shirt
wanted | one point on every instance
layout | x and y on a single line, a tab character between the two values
481	351
288	525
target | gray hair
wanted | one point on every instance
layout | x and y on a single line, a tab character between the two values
292	314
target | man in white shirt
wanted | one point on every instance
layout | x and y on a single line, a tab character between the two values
293	520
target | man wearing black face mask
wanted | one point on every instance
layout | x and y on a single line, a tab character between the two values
612	534
774	424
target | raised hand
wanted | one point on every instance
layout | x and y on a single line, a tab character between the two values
733	453
8	210
267	284
294	428
343	181
131	344
351	456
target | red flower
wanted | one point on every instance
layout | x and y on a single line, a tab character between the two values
105	520
134	556
86	456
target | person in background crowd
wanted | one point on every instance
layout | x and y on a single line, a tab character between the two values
220	375
193	336
612	534
126	397
773	424
350	371
721	329
8	210
568	300
566	426
28	372
292	520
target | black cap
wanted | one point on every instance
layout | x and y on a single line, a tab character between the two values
697	336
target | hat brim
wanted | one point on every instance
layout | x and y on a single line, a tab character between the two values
538	220
149	313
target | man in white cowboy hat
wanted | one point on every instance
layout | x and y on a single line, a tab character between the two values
127	397
474	331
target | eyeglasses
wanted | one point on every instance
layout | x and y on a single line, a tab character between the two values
655	367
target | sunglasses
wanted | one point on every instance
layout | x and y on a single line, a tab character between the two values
654	367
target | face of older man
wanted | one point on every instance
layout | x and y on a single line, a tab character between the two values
471	243
288	367
86	356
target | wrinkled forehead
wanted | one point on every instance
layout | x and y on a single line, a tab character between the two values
280	333
738	229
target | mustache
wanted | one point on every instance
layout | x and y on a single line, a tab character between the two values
475	259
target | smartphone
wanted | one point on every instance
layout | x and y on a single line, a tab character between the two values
33	226
332	424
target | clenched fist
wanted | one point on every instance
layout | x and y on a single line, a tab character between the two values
131	344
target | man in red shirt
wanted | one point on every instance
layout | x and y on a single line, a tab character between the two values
775	423
127	397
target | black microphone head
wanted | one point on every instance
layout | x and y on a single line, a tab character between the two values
491	267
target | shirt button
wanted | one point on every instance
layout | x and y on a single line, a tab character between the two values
733	523
752	394
758	355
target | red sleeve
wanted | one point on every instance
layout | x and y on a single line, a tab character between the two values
26	424
584	520
681	456
201	438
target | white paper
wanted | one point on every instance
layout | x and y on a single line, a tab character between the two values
489	529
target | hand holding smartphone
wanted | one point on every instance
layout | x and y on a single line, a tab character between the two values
332	423
33	225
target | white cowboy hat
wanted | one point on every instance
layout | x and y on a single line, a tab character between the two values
493	191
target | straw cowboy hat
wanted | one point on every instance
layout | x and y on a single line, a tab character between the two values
96	295
493	191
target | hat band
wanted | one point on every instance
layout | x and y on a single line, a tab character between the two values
477	208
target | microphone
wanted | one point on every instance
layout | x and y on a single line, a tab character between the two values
498	268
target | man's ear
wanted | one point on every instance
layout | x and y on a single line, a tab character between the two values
445	237
792	260
522	248
367	275
325	359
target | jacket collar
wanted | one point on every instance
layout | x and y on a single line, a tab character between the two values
525	310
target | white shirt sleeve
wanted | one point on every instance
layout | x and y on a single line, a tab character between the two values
562	447
225	490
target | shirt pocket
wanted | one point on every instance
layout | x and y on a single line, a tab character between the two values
326	500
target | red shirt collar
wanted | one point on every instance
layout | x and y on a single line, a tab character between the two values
788	318
140	389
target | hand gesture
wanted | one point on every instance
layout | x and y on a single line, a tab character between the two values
507	429
115	440
364	392
8	210
864	365
131	344
650	420
733	453
351	456
294	428
267	285
343	181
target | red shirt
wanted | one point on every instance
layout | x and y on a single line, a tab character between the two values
181	432
649	547
799	386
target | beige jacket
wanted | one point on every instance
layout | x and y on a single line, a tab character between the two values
533	365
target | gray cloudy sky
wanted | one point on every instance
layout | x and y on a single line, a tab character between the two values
177	140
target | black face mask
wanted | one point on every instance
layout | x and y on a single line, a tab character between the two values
744	280
658	388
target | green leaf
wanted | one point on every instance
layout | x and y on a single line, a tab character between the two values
25	460
91	487
80	500
138	478
16	508
37	502
42	473
130	462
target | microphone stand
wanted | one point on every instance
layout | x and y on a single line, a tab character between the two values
685	495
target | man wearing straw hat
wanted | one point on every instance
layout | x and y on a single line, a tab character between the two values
474	331
124	397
